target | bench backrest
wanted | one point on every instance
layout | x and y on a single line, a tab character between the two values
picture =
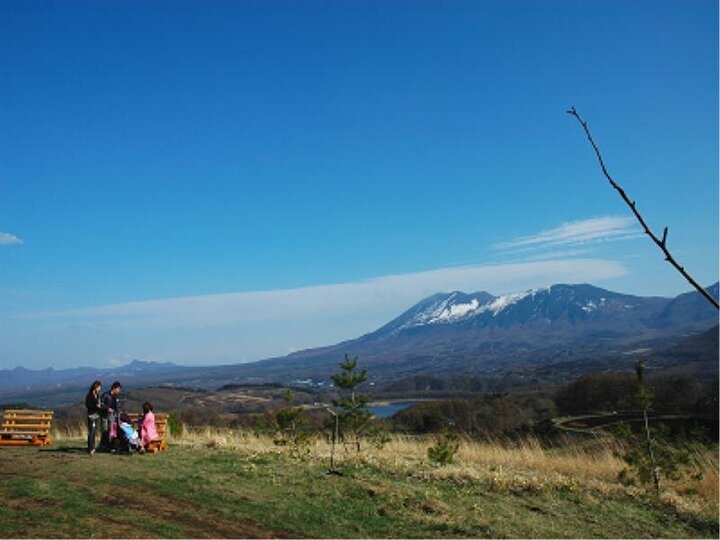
27	421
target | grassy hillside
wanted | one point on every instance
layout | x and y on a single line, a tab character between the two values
220	484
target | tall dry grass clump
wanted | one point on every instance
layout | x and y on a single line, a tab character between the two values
223	438
524	465
513	466
594	460
69	431
474	461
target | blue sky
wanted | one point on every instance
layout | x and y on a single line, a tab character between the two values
214	182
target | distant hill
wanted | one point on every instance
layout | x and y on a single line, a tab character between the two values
66	384
137	369
696	355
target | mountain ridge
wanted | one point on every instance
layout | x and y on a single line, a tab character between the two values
547	324
453	332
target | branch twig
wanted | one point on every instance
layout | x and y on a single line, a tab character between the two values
662	244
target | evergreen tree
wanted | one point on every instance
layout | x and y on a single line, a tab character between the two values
354	414
655	450
289	421
645	399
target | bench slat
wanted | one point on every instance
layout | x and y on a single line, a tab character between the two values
34	431
23	427
27	418
24	423
22	442
29	411
31	424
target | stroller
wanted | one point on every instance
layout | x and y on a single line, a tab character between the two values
123	436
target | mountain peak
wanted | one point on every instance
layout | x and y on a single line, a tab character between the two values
146	365
439	307
560	301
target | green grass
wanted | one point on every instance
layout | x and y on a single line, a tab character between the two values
203	492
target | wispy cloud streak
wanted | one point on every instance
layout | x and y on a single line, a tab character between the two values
574	233
7	239
387	294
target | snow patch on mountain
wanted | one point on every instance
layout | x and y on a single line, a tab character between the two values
454	308
445	311
591	306
458	311
503	302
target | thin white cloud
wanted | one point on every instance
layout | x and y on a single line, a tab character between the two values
387	295
560	254
9	239
116	362
601	229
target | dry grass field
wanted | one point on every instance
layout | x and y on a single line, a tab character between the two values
515	465
221	483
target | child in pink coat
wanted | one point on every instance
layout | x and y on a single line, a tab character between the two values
148	432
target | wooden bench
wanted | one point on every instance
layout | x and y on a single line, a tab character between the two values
25	427
161	420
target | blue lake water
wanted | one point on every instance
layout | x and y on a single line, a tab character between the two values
387	410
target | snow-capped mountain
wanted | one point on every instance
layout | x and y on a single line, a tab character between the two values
479	332
562	328
554	305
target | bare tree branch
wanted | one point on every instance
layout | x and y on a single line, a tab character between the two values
662	244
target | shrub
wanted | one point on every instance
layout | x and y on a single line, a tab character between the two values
174	425
444	450
289	422
672	458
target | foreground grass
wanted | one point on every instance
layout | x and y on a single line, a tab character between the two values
220	485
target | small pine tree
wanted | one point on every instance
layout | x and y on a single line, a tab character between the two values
674	457
289	421
354	414
645	399
646	455
444	450
175	426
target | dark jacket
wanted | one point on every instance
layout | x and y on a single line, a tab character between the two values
92	404
108	401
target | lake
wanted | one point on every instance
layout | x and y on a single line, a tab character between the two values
387	409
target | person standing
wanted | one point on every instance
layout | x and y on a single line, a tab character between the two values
148	431
92	404
108	410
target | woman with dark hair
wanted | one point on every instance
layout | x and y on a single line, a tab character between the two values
92	404
148	432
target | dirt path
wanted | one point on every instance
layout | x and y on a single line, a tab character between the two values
595	424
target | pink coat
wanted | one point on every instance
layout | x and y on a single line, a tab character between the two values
148	433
